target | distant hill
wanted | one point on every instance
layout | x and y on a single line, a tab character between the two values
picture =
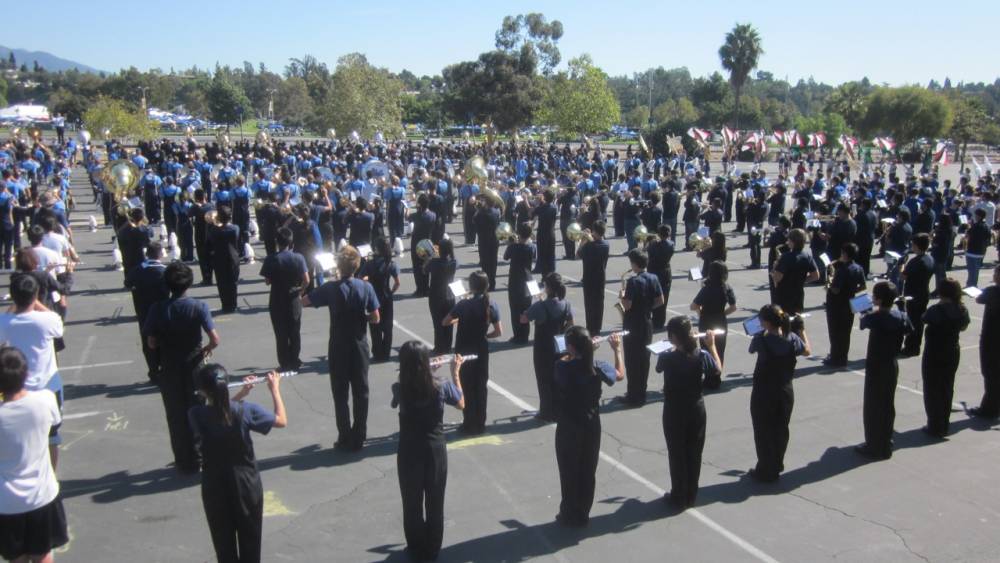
47	61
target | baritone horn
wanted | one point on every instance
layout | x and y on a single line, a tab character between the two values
475	171
505	231
621	293
576	233
698	242
425	249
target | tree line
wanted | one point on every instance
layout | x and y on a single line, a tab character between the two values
521	82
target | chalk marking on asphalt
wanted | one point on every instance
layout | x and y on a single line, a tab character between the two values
65	447
77	415
101	365
626	470
273	505
488	440
116	423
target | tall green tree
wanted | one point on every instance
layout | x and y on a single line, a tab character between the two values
907	114
123	120
499	87
226	102
579	101
292	104
362	98
849	100
968	125
531	35
3	89
739	55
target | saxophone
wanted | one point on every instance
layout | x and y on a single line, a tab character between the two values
618	305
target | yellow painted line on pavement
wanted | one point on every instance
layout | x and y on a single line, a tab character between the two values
273	505
477	441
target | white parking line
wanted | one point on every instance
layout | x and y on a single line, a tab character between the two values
624	469
101	365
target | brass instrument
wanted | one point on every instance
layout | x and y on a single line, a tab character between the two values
106	133
302	182
425	250
120	177
189	131
621	292
641	233
491	197
698	242
212	218
35	134
84	137
588	143
505	231
474	170
331	133
222	138
15	133
576	233
262	138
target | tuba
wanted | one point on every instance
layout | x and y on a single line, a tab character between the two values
474	171
575	233
262	138
505	231
222	138
698	242
35	134
120	177
331	133
425	250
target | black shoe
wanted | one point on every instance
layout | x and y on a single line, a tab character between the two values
830	362
933	433
756	476
343	445
980	413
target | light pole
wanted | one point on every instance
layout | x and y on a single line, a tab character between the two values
143	89
270	104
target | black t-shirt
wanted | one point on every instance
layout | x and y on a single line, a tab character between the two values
285	271
660	253
943	322
441	272
918	273
226	447
147	283
714	299
684	374
578	395
350	302
848	279
642	290
991	316
795	268
546	215
177	325
888	328
979	238
776	358
594	256
521	256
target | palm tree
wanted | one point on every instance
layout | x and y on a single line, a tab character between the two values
739	55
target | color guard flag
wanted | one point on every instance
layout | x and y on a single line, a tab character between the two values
700	135
885	143
793	139
817	139
779	136
729	136
941	154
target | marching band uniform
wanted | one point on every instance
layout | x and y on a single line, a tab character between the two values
989	354
286	274
441	272
772	400
644	292
423	223
475	315
383	275
944	321
917	274
546	239
521	256
888	327
848	279
487	220
552	316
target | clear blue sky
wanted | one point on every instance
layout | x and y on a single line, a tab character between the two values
889	41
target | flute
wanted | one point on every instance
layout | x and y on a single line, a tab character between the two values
262	379
714	331
438	361
599	339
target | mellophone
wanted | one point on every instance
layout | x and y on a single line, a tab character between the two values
436	361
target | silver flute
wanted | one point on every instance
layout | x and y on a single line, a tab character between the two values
598	339
262	379
444	359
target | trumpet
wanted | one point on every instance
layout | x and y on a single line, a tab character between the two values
445	359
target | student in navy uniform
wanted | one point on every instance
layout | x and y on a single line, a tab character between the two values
916	277
231	491
888	326
641	295
977	241
396	209
306	240
268	221
686	369
423	222
422	453
361	222
146	282
487	220
478	319
241	211
989	354
521	255
577	384
383	273
848	279
133	239
352	303
546	215
174	327
201	229
942	249
185	229
569	203
661	251
224	241
865	224
756	214
594	256
440	271
552	316
791	272
944	321
772	397
287	275
714	302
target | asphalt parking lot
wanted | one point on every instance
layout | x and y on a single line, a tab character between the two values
933	501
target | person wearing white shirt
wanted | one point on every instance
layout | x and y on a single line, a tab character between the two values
32	519
49	260
32	329
989	207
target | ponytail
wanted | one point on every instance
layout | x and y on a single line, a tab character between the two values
479	284
554	285
579	339
776	316
213	382
680	328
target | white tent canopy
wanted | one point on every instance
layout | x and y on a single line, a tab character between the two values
25	112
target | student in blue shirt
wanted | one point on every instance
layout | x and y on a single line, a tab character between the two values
231	491
8	203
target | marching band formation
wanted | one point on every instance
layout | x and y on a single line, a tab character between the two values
333	217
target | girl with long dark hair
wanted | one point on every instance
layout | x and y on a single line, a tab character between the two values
943	322
686	368
478	320
772	397
231	491
577	383
551	316
440	271
422	457
714	302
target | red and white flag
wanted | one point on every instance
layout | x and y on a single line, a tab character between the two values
817	139
885	143
941	155
778	136
701	136
729	136
793	138
849	144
